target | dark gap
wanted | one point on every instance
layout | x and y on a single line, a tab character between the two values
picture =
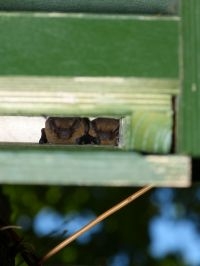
195	170
174	124
159	7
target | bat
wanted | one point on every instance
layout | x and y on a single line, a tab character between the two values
106	130
64	130
79	131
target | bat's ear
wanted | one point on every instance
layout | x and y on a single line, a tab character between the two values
86	123
93	129
116	130
82	124
50	123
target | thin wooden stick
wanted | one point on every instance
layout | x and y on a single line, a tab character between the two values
7	227
94	222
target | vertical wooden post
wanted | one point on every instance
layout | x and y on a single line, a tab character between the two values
188	135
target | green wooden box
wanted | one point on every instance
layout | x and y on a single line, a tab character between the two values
125	66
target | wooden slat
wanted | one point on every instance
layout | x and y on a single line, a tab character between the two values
151	132
189	108
91	167
84	96
88	45
90	84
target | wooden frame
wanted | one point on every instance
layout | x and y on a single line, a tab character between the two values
88	166
92	65
189	107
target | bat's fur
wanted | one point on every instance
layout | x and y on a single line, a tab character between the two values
106	130
77	130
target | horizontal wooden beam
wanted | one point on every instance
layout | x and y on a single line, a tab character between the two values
89	84
81	96
91	166
88	45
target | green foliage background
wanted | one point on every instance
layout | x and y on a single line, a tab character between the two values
126	230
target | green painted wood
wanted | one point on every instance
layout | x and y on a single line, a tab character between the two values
90	167
84	96
189	103
108	6
88	45
151	131
90	84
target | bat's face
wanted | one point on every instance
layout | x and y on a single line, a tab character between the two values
76	130
66	130
106	130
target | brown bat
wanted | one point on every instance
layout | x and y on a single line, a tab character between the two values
77	130
62	130
105	130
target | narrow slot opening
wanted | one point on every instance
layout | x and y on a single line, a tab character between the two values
94	131
81	131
